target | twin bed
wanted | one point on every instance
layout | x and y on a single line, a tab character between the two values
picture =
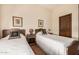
15	46
51	44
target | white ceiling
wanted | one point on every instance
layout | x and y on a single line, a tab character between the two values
51	6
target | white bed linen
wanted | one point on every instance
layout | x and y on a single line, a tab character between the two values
15	46
53	44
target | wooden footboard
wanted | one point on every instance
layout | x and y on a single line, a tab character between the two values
74	48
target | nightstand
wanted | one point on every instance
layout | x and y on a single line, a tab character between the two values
50	33
30	38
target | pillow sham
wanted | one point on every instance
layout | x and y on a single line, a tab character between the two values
14	35
44	31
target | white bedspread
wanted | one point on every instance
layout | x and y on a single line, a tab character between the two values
15	46
53	44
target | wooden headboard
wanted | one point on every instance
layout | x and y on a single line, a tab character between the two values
38	30
6	32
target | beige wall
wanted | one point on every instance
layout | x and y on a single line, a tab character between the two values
78	21
63	10
30	14
0	21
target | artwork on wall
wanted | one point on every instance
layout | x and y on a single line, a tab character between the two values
17	21
40	23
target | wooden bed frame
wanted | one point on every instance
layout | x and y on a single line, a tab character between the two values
38	30
6	32
73	49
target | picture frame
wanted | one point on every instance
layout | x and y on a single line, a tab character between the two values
40	23
17	21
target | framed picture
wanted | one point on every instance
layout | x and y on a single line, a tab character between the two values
40	23
17	21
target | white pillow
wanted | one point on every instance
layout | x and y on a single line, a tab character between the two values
5	38
39	33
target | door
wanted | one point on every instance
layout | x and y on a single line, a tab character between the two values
65	25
